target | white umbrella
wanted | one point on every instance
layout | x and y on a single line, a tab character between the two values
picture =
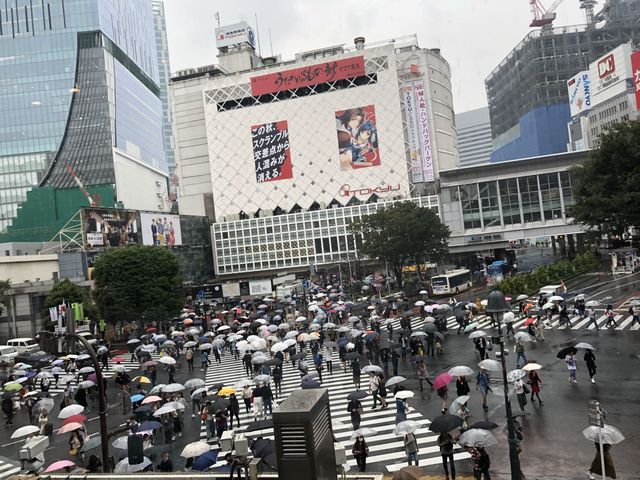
394	380
123	466
408	426
167	360
508	317
86	384
556	298
372	369
531	366
548	305
121	442
477	334
178	405
24	431
523	337
194	382
581	296
585	345
164	410
522	296
484	302
349	346
423	292
460	371
199	391
404	394
173	388
610	435
592	303
418	334
195	449
457	403
84	370
419	303
516	374
477	437
490	365
365	432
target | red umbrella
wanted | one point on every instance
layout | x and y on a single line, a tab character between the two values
442	380
75	418
117	359
529	321
152	329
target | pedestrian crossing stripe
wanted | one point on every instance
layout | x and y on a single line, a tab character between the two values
8	469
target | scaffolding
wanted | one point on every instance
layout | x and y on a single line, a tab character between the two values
69	238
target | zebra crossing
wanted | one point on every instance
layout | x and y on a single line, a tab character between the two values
385	448
8	468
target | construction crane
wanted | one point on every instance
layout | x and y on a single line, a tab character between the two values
543	17
93	202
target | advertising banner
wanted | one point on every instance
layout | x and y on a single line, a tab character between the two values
307	76
234	34
271	154
160	229
609	74
635	69
230	290
423	128
357	138
106	227
413	138
579	88
260	287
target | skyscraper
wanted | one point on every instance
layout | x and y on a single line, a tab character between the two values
474	137
79	95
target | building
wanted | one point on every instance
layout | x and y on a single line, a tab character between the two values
80	98
164	76
315	140
527	95
474	137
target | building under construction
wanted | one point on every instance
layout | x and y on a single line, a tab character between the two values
527	91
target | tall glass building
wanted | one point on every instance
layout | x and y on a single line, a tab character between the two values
78	79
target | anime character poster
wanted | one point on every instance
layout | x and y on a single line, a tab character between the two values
357	138
271	154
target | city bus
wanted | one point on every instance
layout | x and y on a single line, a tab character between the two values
451	282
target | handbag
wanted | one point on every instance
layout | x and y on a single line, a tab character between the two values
526	389
73	451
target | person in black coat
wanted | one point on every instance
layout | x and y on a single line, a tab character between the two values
234	410
165	463
7	409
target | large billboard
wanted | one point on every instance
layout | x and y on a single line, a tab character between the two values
357	138
260	287
235	34
609	74
423	128
579	88
635	72
109	227
413	137
271	154
160	229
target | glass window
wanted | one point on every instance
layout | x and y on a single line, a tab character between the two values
509	201
567	189
550	192
470	206
530	199
489	202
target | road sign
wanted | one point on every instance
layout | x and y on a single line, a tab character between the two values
201	294
305	284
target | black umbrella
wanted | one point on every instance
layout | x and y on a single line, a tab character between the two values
90	444
261	447
566	351
259	425
273	362
357	395
484	424
445	423
255	325
216	386
408	313
309	383
389	345
297	356
351	356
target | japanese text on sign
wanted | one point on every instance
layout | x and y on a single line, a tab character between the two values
423	127
307	76
635	68
413	138
271	154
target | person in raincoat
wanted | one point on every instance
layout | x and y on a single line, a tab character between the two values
596	465
360	451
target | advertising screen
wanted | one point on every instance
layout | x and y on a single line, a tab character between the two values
357	138
579	87
271	154
160	229
105	228
260	287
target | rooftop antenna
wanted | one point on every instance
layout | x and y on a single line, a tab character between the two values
218	18
270	43
258	35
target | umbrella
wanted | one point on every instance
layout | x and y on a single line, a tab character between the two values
484	424
460	371
137	398
581	296
70	410
190	344
592	303
173	388
531	366
143	408
351	356
508	317
44	404
309	383
394	380
59	465
150	363
157	389
372	369
123	466
548	305
516	374
522	296
133	341
610	435
195	449
79	418
12	387
529	321
566	351
359	394
205	461
419	334
419	303
457	403
149	399
556	298
259	425
149	425
523	337
477	334
404	394
408	426
363	432
585	345
490	365
86	384
430	328
477	437
227	391
70	427
121	442
471	326
442	380
91	443
167	360
141	379
411	472
194	382
164	410
445	423
24	431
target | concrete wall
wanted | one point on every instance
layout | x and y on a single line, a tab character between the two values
28	268
139	186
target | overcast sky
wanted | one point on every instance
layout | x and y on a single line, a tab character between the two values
473	35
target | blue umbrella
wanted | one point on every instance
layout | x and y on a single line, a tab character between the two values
342	341
144	426
205	460
309	383
137	398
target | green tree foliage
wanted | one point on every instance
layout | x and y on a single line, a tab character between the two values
607	186
5	286
69	292
402	234
138	283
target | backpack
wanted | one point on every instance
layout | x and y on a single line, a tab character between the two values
485	461
519	347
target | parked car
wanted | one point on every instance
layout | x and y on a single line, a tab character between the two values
7	354
24	345
35	359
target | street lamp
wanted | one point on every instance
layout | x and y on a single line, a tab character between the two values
497	306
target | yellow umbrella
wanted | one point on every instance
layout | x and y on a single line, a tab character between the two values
141	379
226	391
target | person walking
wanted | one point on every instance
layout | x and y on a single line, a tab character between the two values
481	463
267	399
411	448
423	374
247	397
401	410
635	314
374	383
328	359
395	356
592	318
481	347
518	348
519	387
354	407
483	383
43	419
572	366
445	442
535	381
360	452
462	386
590	360
234	410
611	316
382	391
277	380
355	370
189	356
596	465
443	393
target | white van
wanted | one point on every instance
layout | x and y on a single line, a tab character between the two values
8	354
24	345
88	337
551	290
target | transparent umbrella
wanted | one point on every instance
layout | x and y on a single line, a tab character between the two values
476	437
610	435
459	371
408	426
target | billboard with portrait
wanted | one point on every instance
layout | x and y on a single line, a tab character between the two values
109	227
357	138
160	229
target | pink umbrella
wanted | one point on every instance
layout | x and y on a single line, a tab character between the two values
151	399
93	378
59	465
442	380
117	360
69	427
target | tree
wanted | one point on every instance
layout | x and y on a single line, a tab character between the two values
138	283
69	292
402	234
607	186
5	286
